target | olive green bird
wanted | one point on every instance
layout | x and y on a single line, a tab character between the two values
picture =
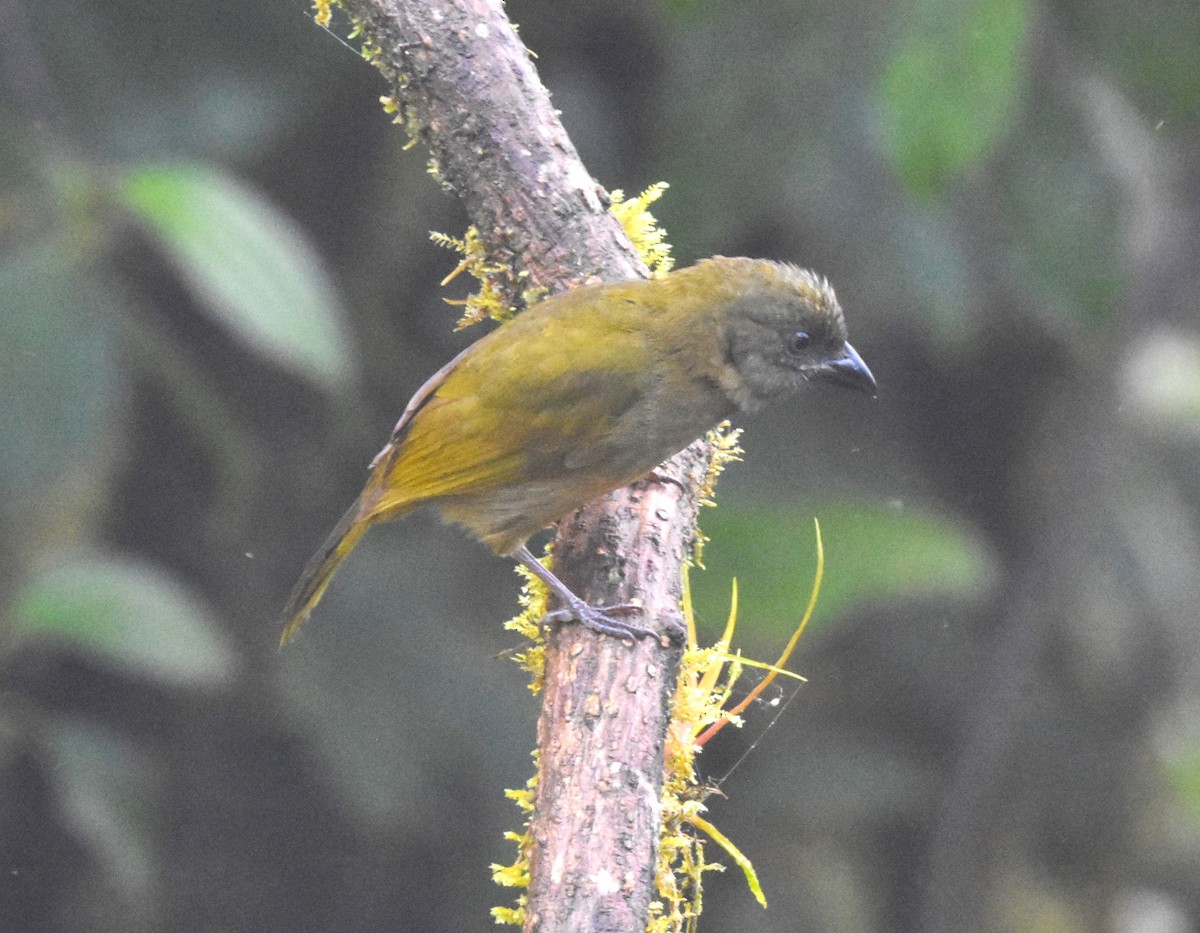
584	393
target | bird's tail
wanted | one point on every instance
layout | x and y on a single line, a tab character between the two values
321	567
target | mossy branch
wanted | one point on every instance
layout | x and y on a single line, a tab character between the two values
465	86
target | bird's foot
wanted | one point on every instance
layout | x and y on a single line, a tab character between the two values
604	620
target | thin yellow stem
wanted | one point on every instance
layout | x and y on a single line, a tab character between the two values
787	651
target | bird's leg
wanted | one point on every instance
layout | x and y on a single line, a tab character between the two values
597	619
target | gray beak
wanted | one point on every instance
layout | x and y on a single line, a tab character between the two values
848	370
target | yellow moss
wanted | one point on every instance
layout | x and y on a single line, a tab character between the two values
726	446
700	707
406	117
489	301
725	442
510	916
322	12
533	295
534	601
522	798
701	694
371	50
648	238
516	875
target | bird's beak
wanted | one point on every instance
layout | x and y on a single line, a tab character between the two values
848	370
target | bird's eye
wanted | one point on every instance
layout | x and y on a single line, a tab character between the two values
797	342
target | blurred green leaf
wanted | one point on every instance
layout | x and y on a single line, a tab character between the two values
872	552
1155	55
247	263
951	86
58	370
130	615
688	12
1183	771
108	795
1049	192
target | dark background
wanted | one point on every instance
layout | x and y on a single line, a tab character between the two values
217	292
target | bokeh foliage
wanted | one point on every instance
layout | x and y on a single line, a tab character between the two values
217	292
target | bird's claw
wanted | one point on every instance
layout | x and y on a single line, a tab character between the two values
603	620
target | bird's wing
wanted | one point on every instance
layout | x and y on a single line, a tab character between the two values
541	398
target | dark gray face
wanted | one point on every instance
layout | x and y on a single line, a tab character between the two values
788	333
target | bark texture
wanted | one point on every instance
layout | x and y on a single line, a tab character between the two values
466	85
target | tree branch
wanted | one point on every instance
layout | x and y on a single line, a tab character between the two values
466	86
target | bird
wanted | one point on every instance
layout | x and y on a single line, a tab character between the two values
585	392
